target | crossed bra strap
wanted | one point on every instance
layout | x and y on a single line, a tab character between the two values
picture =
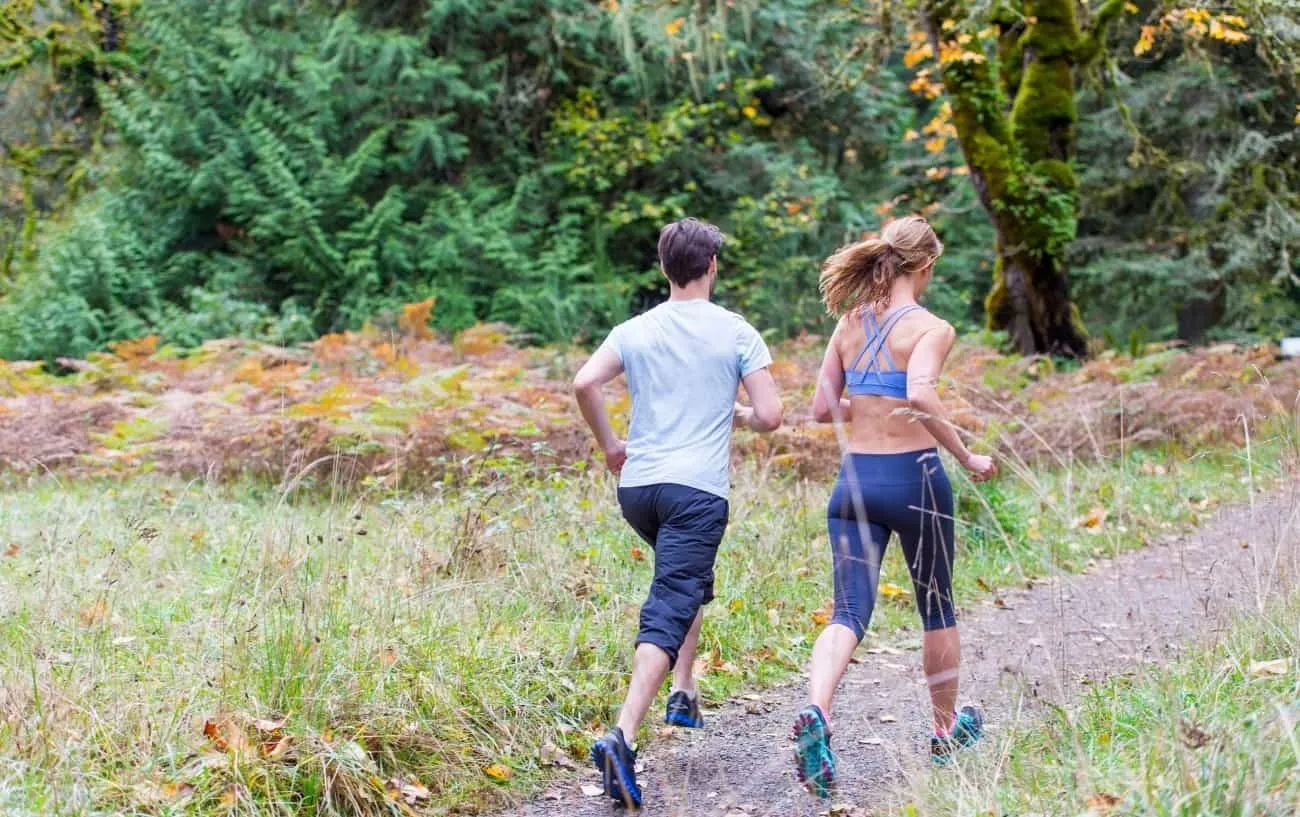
877	334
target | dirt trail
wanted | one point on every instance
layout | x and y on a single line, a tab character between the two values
1042	646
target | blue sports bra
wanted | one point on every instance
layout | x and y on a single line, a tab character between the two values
876	379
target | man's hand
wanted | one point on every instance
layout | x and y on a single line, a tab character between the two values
615	457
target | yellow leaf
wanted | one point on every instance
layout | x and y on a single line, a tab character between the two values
935	145
498	772
736	605
917	55
638	554
1094	519
1146	40
1131	8
749	111
910	135
674	28
893	591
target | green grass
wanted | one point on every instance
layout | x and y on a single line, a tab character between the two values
437	639
1214	734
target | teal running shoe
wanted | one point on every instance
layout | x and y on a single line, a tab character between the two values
966	732
814	760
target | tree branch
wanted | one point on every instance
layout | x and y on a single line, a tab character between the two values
1094	40
983	129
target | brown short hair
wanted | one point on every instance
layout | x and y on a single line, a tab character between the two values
685	249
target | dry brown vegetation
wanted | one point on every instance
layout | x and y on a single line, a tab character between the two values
407	408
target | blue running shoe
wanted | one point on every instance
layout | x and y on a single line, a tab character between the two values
616	763
966	732
684	710
814	760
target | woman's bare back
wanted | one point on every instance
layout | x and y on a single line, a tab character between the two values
884	425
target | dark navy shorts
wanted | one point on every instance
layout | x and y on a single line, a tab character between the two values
684	526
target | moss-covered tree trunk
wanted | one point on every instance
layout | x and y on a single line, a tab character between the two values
1015	118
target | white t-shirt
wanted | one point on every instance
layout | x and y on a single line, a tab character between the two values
684	361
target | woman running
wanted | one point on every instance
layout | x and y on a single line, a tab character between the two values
888	352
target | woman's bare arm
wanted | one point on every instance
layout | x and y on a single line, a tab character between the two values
923	370
829	404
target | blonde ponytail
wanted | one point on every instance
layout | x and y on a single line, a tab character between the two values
862	274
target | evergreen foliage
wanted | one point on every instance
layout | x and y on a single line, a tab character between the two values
281	169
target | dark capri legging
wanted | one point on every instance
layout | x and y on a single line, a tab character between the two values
879	494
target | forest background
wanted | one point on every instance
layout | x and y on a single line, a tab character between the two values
281	170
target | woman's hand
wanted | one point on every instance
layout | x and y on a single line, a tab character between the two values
980	467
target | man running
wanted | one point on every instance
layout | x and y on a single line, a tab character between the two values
684	361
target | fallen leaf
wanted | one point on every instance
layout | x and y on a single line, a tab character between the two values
122	641
638	554
205	761
736	605
592	790
773	617
888	719
983	585
94	613
871	741
498	772
883	651
277	749
226	735
1194	736
820	618
893	591
552	794
151	793
552	755
388	657
230	797
12	550
1277	666
1102	802
268	725
413	792
1094	519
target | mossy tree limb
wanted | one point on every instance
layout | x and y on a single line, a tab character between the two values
1015	120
